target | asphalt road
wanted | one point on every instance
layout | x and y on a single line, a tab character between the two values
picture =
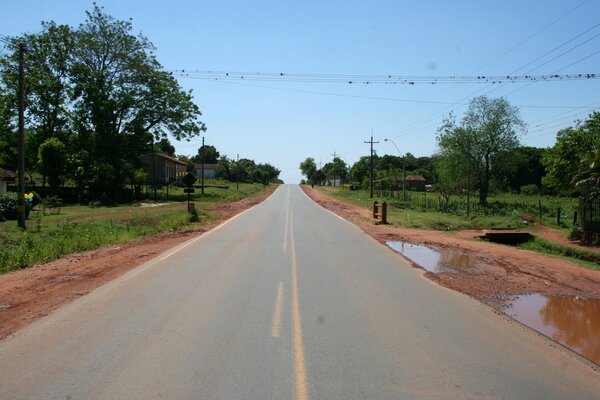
284	301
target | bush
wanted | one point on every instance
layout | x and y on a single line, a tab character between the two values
8	205
529	189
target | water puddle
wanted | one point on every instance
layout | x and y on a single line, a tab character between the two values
433	260
572	322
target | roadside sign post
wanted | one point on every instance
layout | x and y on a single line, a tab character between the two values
189	180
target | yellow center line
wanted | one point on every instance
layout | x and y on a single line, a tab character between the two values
299	366
276	322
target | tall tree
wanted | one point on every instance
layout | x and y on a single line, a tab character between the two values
53	161
336	169
308	168
571	154
164	146
208	154
518	167
489	126
101	91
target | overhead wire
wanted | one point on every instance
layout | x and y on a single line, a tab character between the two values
416	123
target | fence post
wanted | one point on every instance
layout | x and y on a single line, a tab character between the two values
540	204
384	212
574	218
375	203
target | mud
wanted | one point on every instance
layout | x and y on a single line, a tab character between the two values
433	260
571	321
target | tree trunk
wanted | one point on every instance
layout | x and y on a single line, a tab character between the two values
485	184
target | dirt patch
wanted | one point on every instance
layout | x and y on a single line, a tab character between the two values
505	272
32	293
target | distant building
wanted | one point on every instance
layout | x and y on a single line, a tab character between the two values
5	177
210	170
163	169
334	181
416	183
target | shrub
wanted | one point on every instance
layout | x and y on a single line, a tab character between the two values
8	205
530	189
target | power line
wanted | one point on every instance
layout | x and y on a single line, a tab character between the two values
532	35
378	97
380	79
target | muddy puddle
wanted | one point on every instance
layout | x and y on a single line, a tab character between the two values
571	321
434	260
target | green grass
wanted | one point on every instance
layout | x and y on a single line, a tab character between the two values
588	259
81	228
419	218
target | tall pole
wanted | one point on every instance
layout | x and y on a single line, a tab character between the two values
21	95
237	172
403	169
468	176
371	179
203	151
334	157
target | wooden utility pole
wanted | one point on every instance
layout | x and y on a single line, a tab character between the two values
237	172
21	172
334	155
203	153
371	142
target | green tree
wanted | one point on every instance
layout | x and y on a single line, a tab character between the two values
164	146
336	169
53	161
519	167
359	172
8	136
308	168
100	89
208	153
489	126
588	180
319	177
571	154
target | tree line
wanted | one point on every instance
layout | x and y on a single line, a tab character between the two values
482	153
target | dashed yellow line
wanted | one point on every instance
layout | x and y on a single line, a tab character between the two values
299	364
276	322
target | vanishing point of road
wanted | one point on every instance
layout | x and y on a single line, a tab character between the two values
285	301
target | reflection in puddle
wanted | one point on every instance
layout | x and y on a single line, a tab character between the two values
433	260
573	322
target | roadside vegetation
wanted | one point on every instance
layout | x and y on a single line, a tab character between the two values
79	228
480	177
503	210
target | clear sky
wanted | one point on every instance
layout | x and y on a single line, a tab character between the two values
282	123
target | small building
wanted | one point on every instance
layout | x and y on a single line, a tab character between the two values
6	176
210	170
163	169
416	183
334	181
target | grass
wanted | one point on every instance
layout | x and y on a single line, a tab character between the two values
419	218
588	259
80	228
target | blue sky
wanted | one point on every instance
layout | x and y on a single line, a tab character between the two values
284	122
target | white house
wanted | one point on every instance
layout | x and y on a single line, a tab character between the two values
210	170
